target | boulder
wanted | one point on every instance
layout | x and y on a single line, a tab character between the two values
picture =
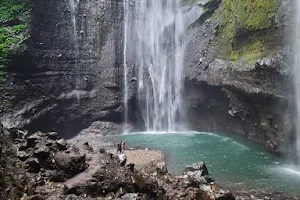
23	146
33	139
120	192
130	166
70	163
57	176
215	193
52	135
101	150
122	159
23	155
130	196
62	144
102	128
195	174
161	168
32	165
42	151
193	180
200	167
34	197
138	180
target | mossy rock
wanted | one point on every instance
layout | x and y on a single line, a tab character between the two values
246	22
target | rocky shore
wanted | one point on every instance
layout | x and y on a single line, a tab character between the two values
56	169
51	168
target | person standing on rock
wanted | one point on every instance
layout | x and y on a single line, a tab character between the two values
119	148
123	147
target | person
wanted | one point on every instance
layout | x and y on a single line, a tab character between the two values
119	148
123	147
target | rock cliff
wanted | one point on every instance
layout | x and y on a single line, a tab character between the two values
238	77
67	72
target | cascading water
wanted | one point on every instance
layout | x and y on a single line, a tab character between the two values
157	33
297	79
73	6
126	18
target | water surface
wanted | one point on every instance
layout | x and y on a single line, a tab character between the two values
232	161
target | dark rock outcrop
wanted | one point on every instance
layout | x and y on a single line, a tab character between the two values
12	173
102	128
238	79
70	74
80	172
70	163
196	174
102	177
48	158
33	165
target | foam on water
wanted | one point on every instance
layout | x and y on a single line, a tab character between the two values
290	170
187	133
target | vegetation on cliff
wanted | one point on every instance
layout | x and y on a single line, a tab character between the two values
13	28
245	29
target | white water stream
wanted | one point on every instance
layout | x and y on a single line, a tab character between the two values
73	6
157	33
297	78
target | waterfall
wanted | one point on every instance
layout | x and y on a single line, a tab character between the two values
73	6
126	26
157	36
297	79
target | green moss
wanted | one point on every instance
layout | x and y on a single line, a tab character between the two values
234	55
252	51
240	19
256	14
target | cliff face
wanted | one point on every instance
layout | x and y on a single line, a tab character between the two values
68	76
238	74
14	25
69	72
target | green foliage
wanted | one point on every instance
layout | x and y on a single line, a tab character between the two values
9	42
19	28
10	10
12	28
243	17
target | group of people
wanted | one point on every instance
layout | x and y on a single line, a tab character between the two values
121	147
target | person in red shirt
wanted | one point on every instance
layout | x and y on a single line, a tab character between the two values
123	147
